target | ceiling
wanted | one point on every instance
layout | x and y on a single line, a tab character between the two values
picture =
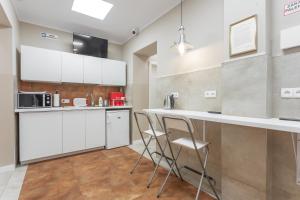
116	27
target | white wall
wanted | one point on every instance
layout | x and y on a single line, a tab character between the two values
236	10
30	34
280	22
9	41
203	20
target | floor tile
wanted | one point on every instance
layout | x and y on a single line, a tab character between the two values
100	175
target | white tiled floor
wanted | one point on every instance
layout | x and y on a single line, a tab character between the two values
11	183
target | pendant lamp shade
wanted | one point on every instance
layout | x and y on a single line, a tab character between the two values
182	45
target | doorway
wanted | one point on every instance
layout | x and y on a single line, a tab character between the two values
142	89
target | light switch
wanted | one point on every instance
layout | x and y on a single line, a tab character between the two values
287	92
296	93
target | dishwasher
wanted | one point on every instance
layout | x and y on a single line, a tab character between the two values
117	128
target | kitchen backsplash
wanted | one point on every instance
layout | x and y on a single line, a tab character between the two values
69	90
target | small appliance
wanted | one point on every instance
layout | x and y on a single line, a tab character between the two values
34	100
56	99
117	99
80	102
169	102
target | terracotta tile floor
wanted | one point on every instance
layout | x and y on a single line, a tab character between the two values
100	175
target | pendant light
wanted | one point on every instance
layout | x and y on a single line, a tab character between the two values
182	45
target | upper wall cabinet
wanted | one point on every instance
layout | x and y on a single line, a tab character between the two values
55	66
92	70
113	72
40	64
72	68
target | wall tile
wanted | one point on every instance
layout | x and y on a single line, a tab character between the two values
244	162
245	86
191	88
235	190
283	167
286	74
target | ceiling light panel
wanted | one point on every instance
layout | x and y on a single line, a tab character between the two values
93	8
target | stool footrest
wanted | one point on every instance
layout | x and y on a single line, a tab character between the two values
200	173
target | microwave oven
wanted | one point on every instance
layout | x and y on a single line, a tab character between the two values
34	100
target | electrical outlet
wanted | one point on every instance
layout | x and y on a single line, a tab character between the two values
287	92
210	94
296	93
175	94
65	101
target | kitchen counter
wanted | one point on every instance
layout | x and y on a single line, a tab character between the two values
271	123
69	108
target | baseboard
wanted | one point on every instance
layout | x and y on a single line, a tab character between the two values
7	168
139	141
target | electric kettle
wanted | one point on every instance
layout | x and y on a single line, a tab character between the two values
169	102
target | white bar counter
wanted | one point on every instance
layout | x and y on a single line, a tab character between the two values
289	127
271	123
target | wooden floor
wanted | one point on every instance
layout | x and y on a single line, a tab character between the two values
100	175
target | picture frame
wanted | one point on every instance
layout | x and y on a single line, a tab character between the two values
243	36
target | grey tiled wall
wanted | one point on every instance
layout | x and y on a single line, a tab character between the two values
286	74
191	88
245	87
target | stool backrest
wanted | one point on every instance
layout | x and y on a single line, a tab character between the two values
177	123
147	121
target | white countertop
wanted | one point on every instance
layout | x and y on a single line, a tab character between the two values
271	123
69	108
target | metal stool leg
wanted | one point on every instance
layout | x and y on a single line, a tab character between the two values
158	163
202	176
141	156
167	177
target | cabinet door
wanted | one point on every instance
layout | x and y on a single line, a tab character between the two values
40	135
73	131
113	72
40	64
92	70
117	134
95	129
72	68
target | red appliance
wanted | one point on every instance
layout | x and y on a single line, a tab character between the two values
116	99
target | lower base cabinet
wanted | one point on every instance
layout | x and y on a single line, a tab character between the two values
46	134
73	131
95	129
40	135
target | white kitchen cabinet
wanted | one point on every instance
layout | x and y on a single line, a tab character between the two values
40	135
117	128
40	64
73	131
92	70
95	129
113	72
72	68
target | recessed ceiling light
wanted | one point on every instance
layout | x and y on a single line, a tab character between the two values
93	8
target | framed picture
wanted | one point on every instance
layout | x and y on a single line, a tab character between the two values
243	36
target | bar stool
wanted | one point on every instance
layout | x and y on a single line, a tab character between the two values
154	134
189	142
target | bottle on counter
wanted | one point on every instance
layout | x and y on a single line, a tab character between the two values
100	102
105	104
